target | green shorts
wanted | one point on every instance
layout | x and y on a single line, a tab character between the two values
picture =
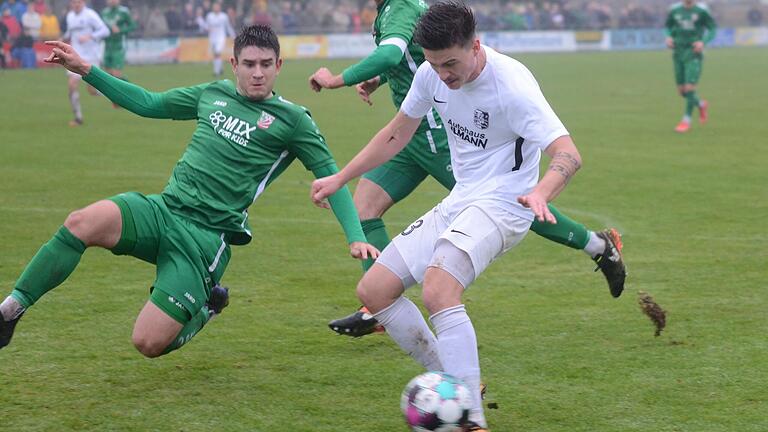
426	154
114	59
190	258
687	67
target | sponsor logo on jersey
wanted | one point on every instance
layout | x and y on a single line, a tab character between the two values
220	103
481	119
475	138
232	128
265	120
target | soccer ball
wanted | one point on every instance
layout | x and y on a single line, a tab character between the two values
436	401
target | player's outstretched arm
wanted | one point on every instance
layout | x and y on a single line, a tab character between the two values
564	164
180	104
383	58
384	145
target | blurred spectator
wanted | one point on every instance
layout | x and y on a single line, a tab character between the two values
17	7
261	14
49	25
289	22
173	19
22	51
755	16
11	23
512	18
189	18
3	38
155	25
368	15
31	23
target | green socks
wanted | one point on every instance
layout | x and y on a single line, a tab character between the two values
52	264
190	329
376	234
566	231
692	101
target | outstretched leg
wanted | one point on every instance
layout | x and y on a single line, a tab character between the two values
99	224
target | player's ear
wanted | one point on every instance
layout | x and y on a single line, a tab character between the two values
233	60
278	65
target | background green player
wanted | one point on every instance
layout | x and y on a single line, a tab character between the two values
118	19
395	61
689	27
246	136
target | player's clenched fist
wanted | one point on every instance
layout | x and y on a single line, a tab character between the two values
323	188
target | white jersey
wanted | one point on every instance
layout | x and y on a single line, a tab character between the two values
87	22
217	25
497	126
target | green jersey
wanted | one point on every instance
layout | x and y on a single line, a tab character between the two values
238	148
686	25
119	17
397	56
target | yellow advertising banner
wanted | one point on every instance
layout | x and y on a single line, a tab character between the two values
291	47
309	46
198	50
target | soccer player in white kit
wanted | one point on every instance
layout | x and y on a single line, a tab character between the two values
217	24
85	31
498	124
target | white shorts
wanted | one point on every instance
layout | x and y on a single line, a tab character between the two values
483	230
217	45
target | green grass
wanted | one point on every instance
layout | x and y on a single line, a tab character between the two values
558	352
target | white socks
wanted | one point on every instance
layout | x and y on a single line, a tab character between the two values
217	66
457	344
10	309
406	325
595	246
74	101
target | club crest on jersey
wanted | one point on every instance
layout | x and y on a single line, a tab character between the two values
481	119
265	120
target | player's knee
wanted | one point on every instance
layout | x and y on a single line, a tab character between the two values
365	292
147	346
78	223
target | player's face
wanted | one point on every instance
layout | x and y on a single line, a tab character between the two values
456	65
256	70
77	5
113	3
216	7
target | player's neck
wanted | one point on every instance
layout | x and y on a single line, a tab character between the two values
481	60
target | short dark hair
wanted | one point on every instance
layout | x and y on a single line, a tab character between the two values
445	25
261	36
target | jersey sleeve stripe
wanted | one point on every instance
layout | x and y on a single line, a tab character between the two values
400	43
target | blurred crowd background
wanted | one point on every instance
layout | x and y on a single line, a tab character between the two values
25	21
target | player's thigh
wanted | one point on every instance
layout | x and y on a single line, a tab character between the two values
98	224
678	62
693	71
190	261
217	46
144	225
154	330
398	177
114	59
416	242
433	156
371	200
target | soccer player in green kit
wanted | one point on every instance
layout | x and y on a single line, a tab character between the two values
689	27
395	61
118	19
246	136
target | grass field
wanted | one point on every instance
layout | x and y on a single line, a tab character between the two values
558	353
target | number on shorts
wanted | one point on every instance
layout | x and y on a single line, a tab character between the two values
413	226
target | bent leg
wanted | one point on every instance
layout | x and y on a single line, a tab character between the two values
566	231
99	224
381	290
